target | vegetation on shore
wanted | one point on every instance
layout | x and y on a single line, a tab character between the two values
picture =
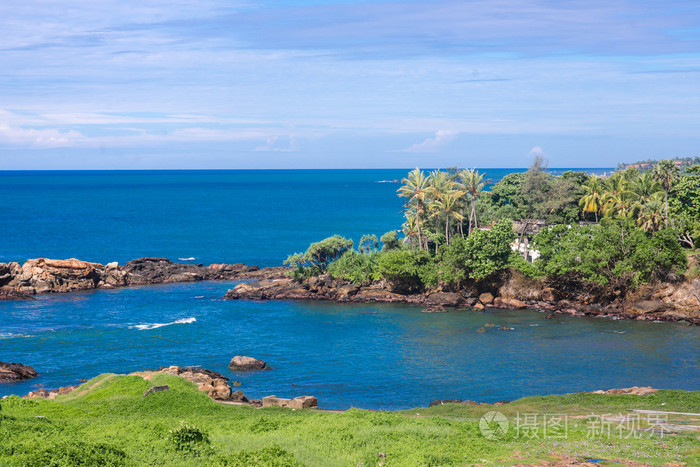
634	230
108	421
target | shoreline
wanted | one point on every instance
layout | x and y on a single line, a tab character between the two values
662	302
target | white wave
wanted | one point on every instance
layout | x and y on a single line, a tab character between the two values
10	335
147	326
616	332
191	258
199	296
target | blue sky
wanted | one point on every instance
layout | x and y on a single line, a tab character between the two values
346	84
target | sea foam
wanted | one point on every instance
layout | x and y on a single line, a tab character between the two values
147	326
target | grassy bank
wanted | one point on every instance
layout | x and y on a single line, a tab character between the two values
107	421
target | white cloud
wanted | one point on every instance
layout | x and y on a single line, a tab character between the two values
537	151
441	139
37	138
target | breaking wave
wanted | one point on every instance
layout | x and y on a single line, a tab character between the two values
147	326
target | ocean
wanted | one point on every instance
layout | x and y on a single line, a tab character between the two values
370	356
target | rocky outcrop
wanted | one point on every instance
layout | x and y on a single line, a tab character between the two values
15	372
302	402
55	276
635	390
213	383
44	394
243	363
673	302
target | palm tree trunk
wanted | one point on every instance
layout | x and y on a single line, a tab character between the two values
476	225
666	208
447	229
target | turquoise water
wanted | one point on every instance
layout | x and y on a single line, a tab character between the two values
371	356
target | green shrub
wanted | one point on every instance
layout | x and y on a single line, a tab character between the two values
407	270
356	267
390	241
318	256
189	439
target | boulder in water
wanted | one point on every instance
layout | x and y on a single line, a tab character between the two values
15	372
243	363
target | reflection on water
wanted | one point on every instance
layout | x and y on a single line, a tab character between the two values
372	356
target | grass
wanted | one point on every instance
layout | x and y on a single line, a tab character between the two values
107	421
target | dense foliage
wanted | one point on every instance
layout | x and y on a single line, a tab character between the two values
645	218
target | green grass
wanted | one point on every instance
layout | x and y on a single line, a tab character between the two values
107	421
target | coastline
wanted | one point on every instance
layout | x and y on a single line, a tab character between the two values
660	302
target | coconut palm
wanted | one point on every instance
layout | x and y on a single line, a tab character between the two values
473	183
440	184
666	173
410	227
651	215
414	189
448	204
617	197
593	200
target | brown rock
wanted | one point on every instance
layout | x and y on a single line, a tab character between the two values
486	298
635	390
242	363
378	295
448	299
646	306
14	372
303	402
479	306
550	295
213	383
239	396
347	291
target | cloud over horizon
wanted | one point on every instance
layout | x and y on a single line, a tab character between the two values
351	81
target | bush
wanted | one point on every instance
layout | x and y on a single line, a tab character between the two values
615	252
390	241
318	256
488	251
356	267
407	270
189	439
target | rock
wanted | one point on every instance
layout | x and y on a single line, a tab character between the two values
500	302
478	306
14	372
303	402
445	401
378	295
448	299
38	394
239	396
242	363
213	383
155	389
646	306
635	390
347	291
550	295
486	298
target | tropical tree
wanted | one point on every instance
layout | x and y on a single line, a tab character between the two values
617	197
666	173
415	189
651	215
448	204
473	183
593	199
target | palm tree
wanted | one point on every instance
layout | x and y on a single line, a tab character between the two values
448	204
617	197
410	227
666	173
592	201
650	215
415	188
644	189
440	184
473	182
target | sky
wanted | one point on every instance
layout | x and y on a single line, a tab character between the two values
200	84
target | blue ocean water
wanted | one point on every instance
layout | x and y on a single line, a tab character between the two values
371	356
